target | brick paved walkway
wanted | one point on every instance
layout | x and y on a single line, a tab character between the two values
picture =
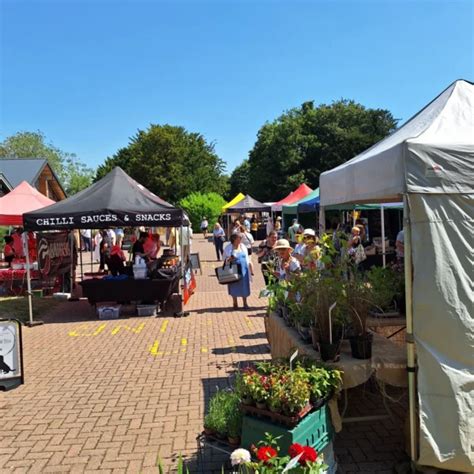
112	396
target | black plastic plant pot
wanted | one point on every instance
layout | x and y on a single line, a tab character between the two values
328	351
361	346
315	337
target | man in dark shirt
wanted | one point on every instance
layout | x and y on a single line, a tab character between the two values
138	247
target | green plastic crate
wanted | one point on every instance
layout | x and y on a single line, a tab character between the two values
313	430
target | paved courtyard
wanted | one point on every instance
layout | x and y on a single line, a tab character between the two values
114	396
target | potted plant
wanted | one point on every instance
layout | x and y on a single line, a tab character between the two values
209	425
384	286
358	304
296	393
221	408
303	317
242	386
324	383
275	400
330	331
234	424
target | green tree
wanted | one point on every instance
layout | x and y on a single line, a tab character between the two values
171	162
304	142
239	179
73	174
198	205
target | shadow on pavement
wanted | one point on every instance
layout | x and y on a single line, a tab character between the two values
256	349
257	335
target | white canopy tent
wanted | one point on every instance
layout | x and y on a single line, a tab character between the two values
429	162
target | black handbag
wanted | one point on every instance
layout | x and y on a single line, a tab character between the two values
229	273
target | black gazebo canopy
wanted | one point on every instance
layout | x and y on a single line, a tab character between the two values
116	200
248	204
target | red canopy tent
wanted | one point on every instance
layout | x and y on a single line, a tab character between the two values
24	198
299	193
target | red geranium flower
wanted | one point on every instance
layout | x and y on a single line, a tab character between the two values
265	453
295	449
309	455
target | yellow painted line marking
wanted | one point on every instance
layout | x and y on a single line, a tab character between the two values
164	326
184	341
231	341
204	350
136	330
99	329
154	348
77	332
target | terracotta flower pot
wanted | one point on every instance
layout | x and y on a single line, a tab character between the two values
208	431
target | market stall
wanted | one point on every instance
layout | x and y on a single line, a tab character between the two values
23	198
300	192
249	204
429	162
115	201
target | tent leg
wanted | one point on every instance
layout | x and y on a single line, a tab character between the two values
71	279
382	220
322	220
92	254
411	366
81	262
28	283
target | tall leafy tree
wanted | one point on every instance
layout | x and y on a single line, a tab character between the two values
306	141
239	179
171	162
73	174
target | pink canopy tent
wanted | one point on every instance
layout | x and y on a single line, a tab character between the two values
24	198
299	193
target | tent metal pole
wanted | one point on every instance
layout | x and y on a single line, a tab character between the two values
322	220
411	365
81	262
28	278
92	253
71	279
382	219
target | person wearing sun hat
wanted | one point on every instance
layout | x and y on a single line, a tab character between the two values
288	265
311	251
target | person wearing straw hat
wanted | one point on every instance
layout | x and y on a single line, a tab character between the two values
288	265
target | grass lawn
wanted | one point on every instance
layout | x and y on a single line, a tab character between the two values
17	307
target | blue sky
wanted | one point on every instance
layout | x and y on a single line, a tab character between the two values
89	74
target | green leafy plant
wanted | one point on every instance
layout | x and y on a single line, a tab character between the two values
384	286
199	205
358	303
222	408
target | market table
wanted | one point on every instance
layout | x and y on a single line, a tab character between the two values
98	290
15	280
388	363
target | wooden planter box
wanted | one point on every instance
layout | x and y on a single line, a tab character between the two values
313	430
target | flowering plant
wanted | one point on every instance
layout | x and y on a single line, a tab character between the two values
257	386
300	459
284	390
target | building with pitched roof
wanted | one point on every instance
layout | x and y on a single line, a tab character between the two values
36	171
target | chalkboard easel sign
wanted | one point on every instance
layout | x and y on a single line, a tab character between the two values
195	262
11	354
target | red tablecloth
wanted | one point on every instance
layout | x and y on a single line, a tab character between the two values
9	274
